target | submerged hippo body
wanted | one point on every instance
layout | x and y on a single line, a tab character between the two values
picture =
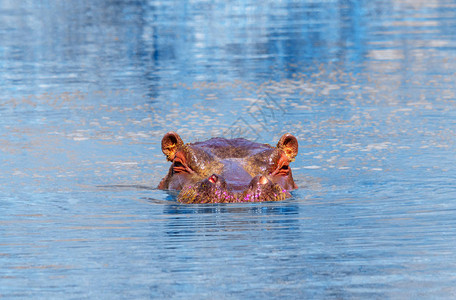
229	170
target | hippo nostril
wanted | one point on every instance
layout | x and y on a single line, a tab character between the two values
263	180
213	178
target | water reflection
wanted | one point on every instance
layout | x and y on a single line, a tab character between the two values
151	41
239	218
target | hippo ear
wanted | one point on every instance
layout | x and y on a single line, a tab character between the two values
171	142
288	144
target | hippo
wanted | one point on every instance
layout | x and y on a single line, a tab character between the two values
223	170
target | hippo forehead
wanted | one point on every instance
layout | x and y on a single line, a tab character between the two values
236	148
215	154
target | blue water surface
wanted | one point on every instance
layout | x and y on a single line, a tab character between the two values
89	88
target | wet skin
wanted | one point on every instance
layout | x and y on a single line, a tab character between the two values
229	170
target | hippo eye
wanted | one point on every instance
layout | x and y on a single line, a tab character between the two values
179	167
283	170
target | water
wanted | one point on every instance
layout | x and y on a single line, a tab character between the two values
89	88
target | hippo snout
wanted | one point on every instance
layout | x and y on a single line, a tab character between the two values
214	189
210	190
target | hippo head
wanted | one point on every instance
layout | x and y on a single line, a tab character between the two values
229	170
